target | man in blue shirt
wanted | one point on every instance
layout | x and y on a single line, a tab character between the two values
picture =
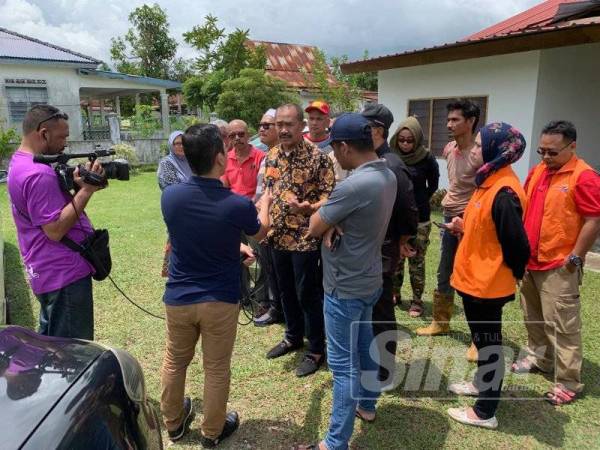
205	221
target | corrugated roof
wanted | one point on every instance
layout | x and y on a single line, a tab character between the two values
168	84
289	62
17	46
536	20
534	17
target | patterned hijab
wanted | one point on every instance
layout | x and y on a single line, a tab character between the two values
501	145
179	162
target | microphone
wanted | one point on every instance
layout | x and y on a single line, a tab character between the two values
64	157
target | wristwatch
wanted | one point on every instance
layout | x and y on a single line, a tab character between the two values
576	260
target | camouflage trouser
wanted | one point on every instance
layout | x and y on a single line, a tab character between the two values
416	264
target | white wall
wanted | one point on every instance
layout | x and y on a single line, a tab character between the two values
62	84
569	88
509	81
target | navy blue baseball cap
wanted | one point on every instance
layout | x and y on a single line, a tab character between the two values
350	127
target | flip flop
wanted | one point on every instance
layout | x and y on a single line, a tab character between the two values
306	447
416	309
560	396
524	366
363	418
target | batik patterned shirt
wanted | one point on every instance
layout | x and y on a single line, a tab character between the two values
306	173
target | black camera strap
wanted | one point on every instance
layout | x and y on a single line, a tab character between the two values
71	244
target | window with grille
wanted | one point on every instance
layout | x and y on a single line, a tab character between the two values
432	115
20	99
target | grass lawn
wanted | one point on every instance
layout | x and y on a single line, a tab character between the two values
278	409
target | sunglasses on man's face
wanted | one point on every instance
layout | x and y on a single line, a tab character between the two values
241	135
551	153
56	115
265	125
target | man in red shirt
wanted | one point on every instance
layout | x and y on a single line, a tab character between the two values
318	124
562	221
243	161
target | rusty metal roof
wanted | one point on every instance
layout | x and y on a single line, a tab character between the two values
291	63
370	96
18	47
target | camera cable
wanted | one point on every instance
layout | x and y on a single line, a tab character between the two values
111	279
247	303
131	301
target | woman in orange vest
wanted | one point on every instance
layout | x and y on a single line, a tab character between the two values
491	257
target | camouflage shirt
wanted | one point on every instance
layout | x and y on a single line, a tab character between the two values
306	173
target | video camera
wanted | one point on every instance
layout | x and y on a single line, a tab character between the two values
118	169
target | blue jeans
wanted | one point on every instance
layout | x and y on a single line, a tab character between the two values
349	342
447	254
68	312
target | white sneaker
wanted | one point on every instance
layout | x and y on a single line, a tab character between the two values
464	388
460	415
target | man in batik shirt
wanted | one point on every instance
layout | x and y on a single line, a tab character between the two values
301	178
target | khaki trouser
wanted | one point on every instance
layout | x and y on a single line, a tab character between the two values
216	322
551	298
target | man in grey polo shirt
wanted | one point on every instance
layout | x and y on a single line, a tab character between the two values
361	206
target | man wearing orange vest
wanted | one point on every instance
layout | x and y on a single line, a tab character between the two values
562	220
491	257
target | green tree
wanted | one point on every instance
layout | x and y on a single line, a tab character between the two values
221	57
341	96
143	122
220	51
146	49
248	96
9	139
203	91
181	69
365	80
205	38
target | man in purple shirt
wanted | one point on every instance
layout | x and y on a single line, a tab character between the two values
60	278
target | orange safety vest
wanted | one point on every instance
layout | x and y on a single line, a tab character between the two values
479	267
561	223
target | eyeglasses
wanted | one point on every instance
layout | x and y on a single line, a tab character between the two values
405	141
240	134
551	153
265	125
56	115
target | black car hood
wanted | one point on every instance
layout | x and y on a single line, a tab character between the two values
35	372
